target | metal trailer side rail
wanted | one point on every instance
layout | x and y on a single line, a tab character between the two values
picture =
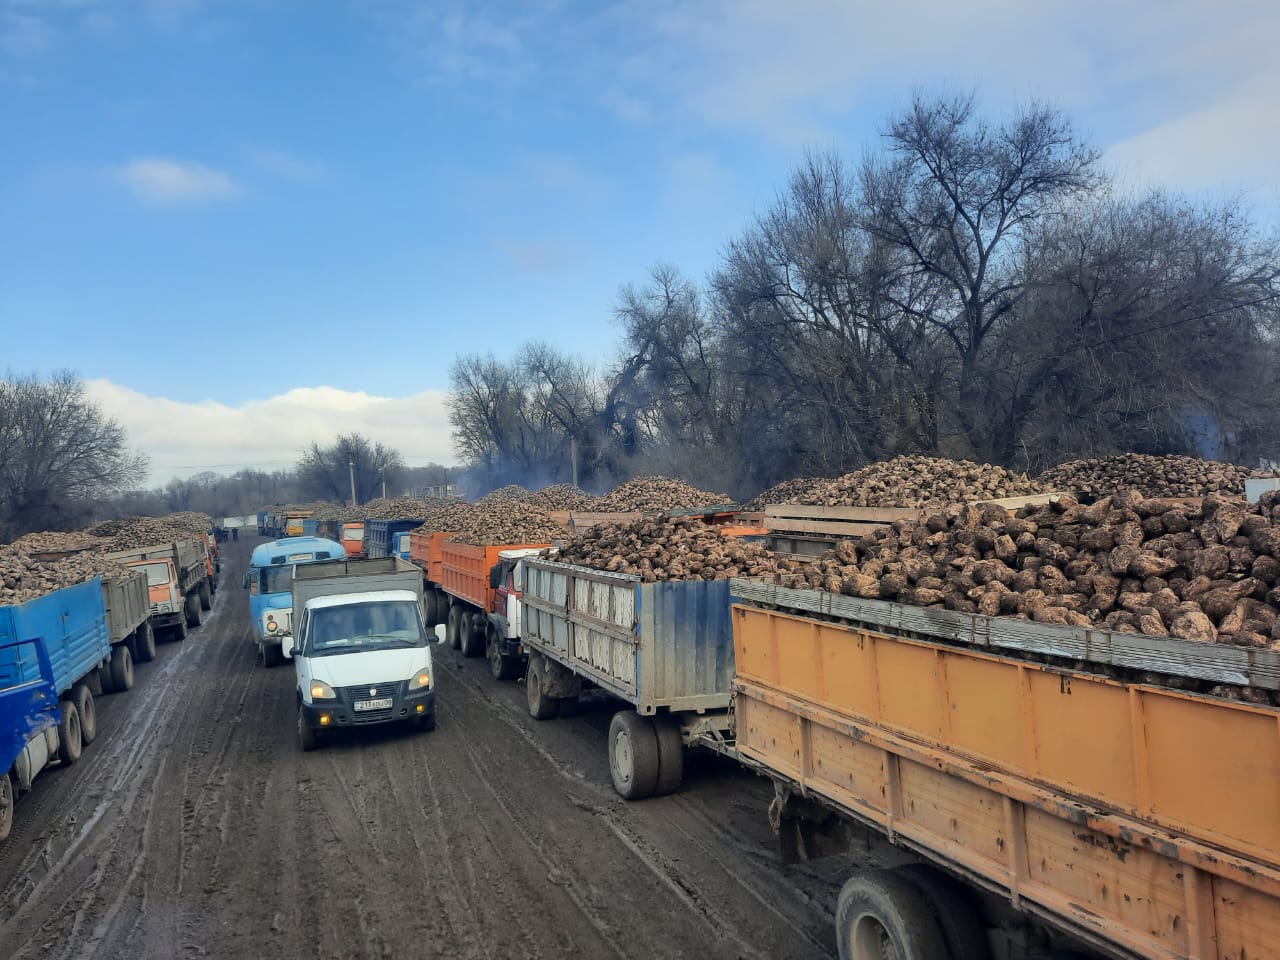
1216	662
654	645
128	604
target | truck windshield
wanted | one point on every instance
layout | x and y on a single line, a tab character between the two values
157	573
277	579
356	627
353	533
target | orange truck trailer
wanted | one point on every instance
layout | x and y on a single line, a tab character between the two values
1046	801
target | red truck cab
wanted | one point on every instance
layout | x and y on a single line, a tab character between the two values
352	538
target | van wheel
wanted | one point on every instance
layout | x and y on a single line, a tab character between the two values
145	641
121	668
82	697
880	914
307	738
541	706
69	743
206	596
6	807
633	755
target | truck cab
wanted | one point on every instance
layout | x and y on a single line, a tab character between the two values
361	658
352	537
503	648
164	592
269	581
30	715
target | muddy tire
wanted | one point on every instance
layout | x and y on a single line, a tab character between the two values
541	706
474	624
453	626
670	755
206	596
70	743
633	755
271	655
500	666
145	643
180	631
6	806
82	697
426	723
121	670
880	914
953	905
192	609
308	739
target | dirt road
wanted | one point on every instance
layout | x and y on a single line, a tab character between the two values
193	827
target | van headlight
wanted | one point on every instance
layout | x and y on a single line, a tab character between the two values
322	691
421	680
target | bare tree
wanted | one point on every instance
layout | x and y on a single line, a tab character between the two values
58	454
326	472
956	197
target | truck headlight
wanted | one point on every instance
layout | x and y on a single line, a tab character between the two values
322	691
421	680
271	624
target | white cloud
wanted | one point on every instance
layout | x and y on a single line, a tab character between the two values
168	182
290	166
186	438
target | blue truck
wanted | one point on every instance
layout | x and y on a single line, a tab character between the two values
389	538
54	652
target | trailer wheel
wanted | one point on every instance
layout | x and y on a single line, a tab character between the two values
145	641
121	671
69	743
670	756
473	633
962	928
541	706
633	755
192	605
6	807
307	738
206	596
453	626
880	914
82	697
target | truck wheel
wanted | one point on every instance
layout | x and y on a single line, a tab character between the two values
82	697
453	628
145	641
69	743
671	756
430	608
880	914
6	807
307	739
206	596
473	632
271	655
193	610
180	631
121	668
953	906
541	706
633	755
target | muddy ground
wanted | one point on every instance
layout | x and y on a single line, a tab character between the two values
194	827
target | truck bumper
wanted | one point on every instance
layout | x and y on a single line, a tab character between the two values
342	713
160	620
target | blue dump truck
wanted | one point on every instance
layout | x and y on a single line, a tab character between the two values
389	538
51	651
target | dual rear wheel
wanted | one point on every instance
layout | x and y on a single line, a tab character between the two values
646	755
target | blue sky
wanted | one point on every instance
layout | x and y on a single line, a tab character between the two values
230	209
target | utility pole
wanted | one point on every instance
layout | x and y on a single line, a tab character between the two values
573	458
351	466
384	484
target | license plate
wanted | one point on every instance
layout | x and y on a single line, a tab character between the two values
383	703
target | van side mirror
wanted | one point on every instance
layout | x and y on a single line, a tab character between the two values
286	646
248	576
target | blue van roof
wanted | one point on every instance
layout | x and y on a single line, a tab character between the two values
278	551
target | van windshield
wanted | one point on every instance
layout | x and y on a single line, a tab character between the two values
277	579
357	627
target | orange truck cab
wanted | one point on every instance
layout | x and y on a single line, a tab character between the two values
352	538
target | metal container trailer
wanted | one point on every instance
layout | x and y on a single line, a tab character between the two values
380	535
664	648
1138	819
128	608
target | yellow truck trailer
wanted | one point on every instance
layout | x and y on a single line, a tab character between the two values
1140	820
